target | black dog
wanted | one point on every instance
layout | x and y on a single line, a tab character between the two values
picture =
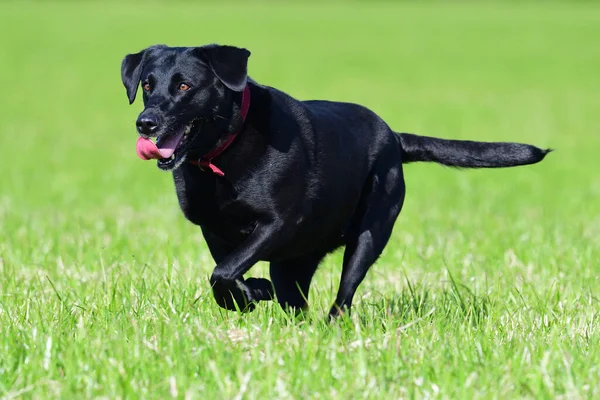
268	177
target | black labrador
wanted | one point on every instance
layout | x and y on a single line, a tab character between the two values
268	177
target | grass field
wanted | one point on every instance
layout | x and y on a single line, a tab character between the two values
487	289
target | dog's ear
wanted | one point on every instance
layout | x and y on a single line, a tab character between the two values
132	66
131	72
229	63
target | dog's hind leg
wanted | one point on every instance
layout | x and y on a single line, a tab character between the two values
369	230
291	280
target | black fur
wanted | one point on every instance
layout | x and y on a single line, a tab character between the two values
301	179
468	154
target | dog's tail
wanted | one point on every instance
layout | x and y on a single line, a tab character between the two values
468	154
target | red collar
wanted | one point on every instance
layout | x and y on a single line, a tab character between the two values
205	162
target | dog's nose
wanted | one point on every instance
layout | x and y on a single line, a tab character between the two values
147	123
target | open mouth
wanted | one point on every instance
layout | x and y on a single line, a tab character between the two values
170	149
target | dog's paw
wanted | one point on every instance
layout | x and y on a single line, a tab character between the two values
337	313
234	296
261	288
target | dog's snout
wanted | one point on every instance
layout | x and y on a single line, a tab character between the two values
147	123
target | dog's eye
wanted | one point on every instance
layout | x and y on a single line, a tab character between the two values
184	87
146	86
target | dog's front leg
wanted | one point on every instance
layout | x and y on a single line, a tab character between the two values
230	289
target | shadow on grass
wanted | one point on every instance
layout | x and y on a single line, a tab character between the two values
455	303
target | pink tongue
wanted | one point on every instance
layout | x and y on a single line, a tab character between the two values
147	150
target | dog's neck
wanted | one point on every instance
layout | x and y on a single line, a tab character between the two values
205	162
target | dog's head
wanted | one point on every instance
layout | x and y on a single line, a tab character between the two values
188	94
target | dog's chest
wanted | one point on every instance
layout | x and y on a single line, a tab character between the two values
215	205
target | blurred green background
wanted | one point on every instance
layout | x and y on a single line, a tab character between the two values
87	230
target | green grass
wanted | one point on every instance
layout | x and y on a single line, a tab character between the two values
487	289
